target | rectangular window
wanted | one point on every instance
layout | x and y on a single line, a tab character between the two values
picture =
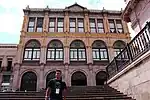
31	24
39	25
6	79
55	54
103	53
100	26
80	25
72	24
81	54
119	26
73	54
112	26
96	55
60	25
36	54
9	64
28	54
52	22
92	26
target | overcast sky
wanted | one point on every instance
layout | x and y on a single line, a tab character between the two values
11	14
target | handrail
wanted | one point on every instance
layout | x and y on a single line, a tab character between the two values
138	46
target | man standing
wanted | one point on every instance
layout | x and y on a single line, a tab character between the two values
56	88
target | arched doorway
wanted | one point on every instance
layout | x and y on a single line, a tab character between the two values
28	81
50	76
78	79
101	78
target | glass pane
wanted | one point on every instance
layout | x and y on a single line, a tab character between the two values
94	55
60	29
31	24
61	54
38	54
52	22
120	30
52	53
101	30
30	29
39	22
48	54
60	22
72	29
72	24
26	54
29	54
57	54
92	22
113	30
80	22
39	30
34	54
93	30
81	29
51	29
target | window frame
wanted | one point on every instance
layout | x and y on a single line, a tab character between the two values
72	27
80	27
32	50
51	27
60	26
39	24
92	27
31	27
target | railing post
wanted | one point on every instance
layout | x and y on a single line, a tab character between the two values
116	64
129	52
148	23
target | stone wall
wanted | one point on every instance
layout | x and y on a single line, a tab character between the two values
134	80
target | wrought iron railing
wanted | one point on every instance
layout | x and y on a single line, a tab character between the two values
139	45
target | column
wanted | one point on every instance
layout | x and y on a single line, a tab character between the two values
125	27
46	20
4	63
66	74
66	22
86	23
19	56
89	54
66	55
41	82
25	21
16	72
106	23
43	55
111	53
91	77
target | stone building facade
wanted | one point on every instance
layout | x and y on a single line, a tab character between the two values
137	12
78	41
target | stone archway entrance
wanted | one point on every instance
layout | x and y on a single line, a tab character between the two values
28	81
50	76
78	79
101	78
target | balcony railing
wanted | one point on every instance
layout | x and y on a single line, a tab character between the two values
139	45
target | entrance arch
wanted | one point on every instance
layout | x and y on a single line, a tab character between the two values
101	78
78	79
50	76
28	81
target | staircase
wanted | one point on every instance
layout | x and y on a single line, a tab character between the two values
73	93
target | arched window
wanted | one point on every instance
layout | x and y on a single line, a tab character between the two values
32	50
28	81
101	78
118	47
55	50
99	50
77	51
50	76
78	79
